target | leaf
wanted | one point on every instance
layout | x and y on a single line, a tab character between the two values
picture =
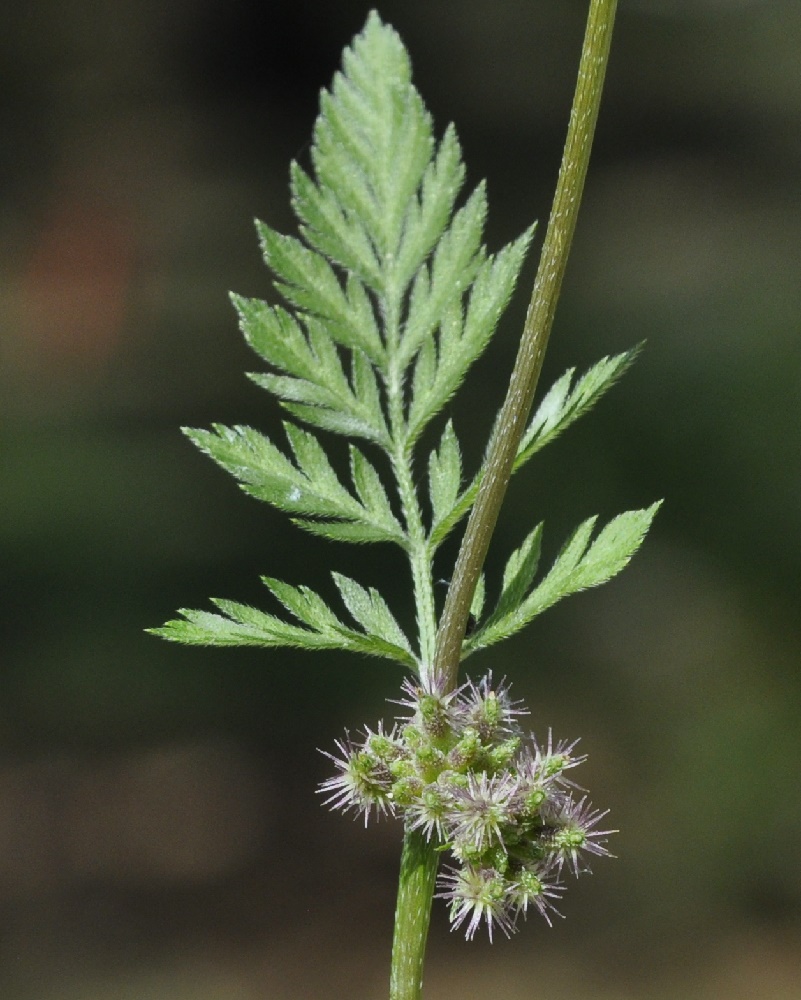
367	393
315	386
307	606
242	625
518	575
372	494
308	281
580	564
310	487
327	227
463	339
357	532
454	266
373	141
389	297
427	219
479	596
444	475
563	405
370	610
560	407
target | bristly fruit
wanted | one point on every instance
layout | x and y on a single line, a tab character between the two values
458	767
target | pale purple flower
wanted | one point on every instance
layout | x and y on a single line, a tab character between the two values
477	894
362	784
537	887
480	809
489	709
574	831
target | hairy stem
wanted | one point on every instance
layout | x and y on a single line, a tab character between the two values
419	555
418	552
401	458
415	892
511	422
419	859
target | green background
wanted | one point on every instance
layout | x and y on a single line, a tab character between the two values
159	832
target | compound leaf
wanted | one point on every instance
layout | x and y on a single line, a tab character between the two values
580	564
563	405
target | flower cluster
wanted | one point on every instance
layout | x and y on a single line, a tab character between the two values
457	767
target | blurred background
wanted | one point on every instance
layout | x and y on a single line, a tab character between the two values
159	832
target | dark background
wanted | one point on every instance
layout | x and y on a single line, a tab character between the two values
159	832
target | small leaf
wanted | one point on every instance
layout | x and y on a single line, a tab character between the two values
309	282
518	575
613	548
302	602
580	564
314	377
425	370
427	219
358	532
366	392
562	405
463	341
372	494
246	627
456	260
242	625
479	596
311	488
444	475
370	610
313	463
327	227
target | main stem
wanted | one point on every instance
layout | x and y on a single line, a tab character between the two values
419	859
512	419
415	892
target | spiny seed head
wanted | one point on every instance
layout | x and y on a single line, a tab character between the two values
553	760
430	762
537	887
464	754
406	791
362	784
502	755
386	748
431	711
477	894
403	767
481	809
489	708
576	832
458	769
428	812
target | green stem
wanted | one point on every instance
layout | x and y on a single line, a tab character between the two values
415	893
419	559
419	859
511	421
400	456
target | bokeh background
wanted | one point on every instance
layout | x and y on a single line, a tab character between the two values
159	832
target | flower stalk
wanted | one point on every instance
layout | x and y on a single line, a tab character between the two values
511	422
418	873
467	780
420	856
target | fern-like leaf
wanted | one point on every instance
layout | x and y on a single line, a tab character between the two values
319	628
561	406
309	487
580	564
